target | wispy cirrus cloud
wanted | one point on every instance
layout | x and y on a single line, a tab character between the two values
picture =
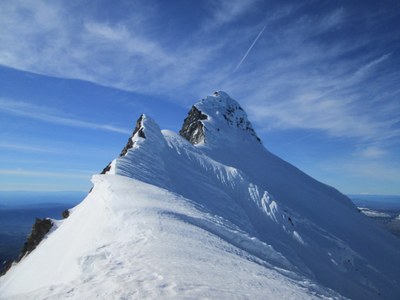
306	72
372	152
327	69
25	148
376	170
39	180
48	115
34	173
66	149
342	107
116	53
308	84
226	11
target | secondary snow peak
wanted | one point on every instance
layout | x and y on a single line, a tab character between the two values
216	118
138	132
142	148
142	159
146	129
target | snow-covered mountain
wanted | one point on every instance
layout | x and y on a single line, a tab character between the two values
209	213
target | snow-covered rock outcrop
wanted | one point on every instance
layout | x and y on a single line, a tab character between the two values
208	213
216	118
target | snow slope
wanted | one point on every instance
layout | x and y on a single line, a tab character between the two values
223	218
140	241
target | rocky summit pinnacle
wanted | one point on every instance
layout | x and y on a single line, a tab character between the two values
139	131
216	115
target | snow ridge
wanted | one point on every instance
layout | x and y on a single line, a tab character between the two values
209	213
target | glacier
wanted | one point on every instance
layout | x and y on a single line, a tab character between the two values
208	213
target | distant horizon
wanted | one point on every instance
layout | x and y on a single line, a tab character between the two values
87	191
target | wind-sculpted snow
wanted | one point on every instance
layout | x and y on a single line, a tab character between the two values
143	160
223	218
139	241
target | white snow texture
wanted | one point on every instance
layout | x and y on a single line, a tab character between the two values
224	219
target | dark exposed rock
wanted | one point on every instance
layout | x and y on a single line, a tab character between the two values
139	131
6	266
105	170
65	214
193	128
39	230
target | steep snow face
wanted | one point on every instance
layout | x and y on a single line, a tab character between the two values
320	215
213	214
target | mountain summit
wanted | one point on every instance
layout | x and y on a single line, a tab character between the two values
208	213
216	117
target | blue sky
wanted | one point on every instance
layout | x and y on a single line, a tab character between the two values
319	80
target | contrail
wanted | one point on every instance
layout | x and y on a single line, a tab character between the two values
251	47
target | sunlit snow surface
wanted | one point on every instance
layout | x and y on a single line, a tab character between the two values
131	239
223	219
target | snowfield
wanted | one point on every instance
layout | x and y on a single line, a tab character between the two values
223	218
140	241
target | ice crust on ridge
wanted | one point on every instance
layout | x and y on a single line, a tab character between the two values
175	217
